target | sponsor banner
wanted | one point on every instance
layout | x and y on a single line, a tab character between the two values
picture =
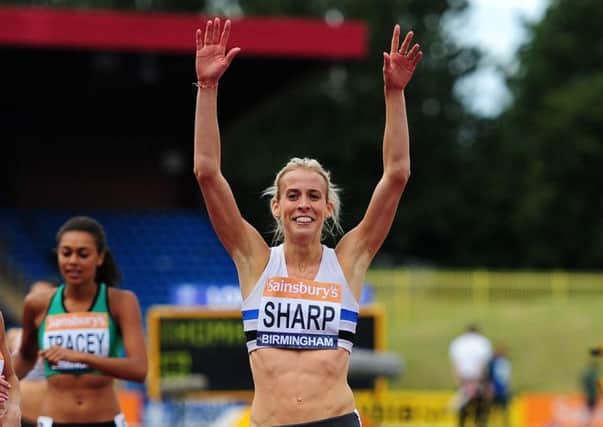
560	410
389	409
212	412
206	294
394	408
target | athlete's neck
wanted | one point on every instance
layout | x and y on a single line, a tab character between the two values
81	292
303	261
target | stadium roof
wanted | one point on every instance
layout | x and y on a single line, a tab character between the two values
174	33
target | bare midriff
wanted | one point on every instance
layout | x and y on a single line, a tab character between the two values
296	386
80	399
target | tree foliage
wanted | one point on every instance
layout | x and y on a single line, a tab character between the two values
552	142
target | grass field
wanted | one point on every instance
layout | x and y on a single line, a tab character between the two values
547	338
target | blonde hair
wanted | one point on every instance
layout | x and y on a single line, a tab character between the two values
331	226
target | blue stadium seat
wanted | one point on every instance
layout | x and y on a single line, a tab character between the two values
156	251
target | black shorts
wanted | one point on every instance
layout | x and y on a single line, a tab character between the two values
27	423
348	420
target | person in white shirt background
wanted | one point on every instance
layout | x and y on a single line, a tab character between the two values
469	354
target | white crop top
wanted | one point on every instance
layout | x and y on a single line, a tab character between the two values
288	312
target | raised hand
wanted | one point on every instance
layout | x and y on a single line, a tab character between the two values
212	59
400	63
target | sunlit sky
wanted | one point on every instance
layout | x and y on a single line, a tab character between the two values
495	26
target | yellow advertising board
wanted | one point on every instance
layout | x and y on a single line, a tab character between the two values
404	408
395	408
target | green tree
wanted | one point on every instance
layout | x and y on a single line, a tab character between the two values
552	146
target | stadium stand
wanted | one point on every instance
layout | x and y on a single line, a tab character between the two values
156	251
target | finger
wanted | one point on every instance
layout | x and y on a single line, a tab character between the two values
53	358
406	42
232	53
206	36
225	34
216	35
198	39
417	58
415	49
395	39
386	61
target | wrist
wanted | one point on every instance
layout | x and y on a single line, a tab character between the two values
392	89
82	357
205	84
393	95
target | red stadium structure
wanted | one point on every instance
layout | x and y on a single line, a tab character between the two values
173	33
106	83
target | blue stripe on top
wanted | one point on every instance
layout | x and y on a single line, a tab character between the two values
250	314
350	315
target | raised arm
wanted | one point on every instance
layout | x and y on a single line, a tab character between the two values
133	366
10	414
358	247
240	239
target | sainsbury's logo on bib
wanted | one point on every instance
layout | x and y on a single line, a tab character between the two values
287	287
77	321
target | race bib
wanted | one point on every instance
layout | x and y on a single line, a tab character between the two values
299	313
85	332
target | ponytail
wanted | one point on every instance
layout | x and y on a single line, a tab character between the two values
108	272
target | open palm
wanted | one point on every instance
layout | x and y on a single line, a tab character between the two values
212	59
400	63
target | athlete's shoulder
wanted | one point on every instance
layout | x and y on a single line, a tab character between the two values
121	297
120	293
39	300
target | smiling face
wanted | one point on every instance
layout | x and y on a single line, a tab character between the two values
302	206
78	257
